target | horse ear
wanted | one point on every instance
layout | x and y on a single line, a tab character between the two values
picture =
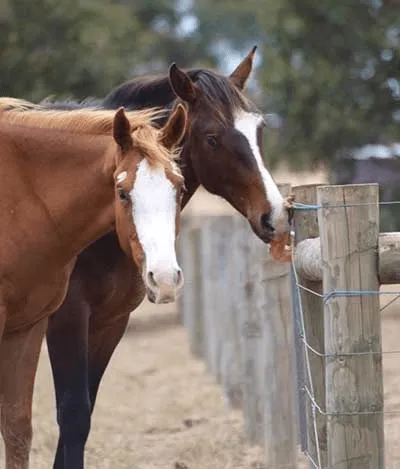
122	130
175	128
182	84
242	72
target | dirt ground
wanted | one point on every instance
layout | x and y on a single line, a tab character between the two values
159	407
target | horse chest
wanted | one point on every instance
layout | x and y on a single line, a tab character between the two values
26	306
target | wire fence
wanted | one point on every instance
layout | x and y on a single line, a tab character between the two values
305	379
245	334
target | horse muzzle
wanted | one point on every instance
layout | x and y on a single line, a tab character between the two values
163	285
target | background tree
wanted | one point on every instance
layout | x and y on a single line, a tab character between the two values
332	69
60	47
83	48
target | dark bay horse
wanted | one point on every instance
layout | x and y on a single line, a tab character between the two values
222	151
68	178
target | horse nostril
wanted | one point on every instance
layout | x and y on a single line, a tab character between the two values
151	279
179	277
266	223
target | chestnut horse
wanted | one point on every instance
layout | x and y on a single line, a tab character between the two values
68	178
222	151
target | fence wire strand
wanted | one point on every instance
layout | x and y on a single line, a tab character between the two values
300	206
307	362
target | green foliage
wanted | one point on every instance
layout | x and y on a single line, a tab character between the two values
83	48
230	21
60	47
328	69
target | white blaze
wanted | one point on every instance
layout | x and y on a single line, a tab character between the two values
247	124
154	210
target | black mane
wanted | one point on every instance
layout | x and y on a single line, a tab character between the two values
143	92
155	91
140	93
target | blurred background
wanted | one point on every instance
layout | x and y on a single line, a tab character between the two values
327	72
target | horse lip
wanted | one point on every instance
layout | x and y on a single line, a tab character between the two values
167	299
152	297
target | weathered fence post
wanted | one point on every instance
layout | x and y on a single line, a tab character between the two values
349	230
231	360
276	352
254	253
222	249
209	277
266	332
189	302
306	226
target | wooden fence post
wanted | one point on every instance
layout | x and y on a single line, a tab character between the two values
276	363
209	267
254	253
233	294
306	226
189	303
222	251
354	381
266	333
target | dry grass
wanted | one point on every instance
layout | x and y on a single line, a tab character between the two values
158	408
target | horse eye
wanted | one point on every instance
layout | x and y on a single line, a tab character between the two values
212	141
123	195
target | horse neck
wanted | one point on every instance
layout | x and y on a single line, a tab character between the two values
68	182
189	175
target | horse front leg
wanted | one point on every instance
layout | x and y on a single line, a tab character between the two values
102	342
67	342
19	355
